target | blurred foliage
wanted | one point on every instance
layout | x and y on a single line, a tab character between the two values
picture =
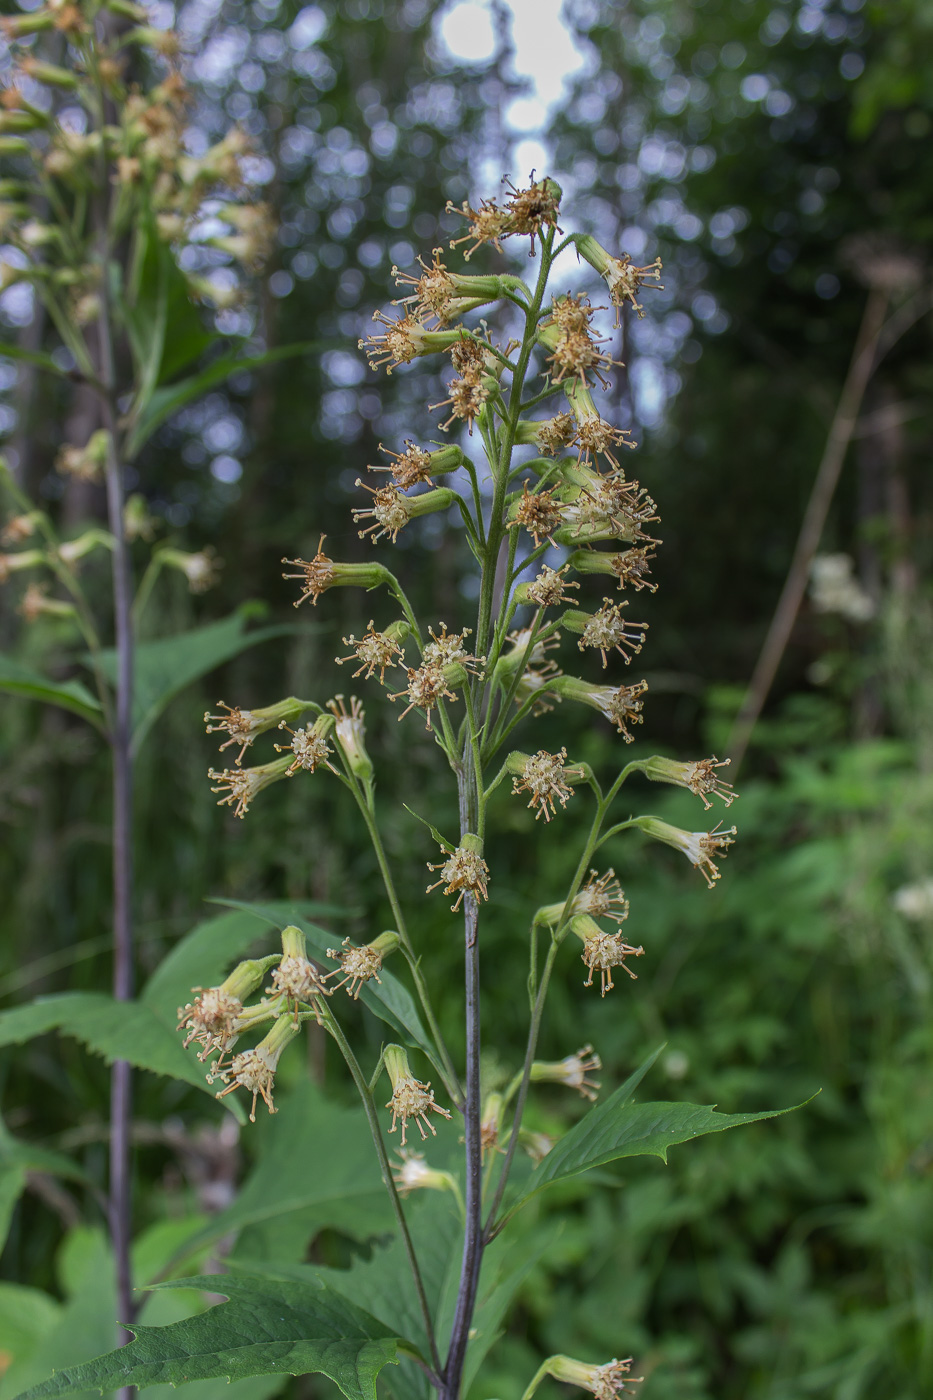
771	153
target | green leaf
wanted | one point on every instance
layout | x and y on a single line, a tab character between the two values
171	399
12	1186
82	1327
266	1327
166	666
17	679
33	357
39	1334
316	1167
117	1030
382	1284
388	999
618	1129
26	1315
14	1153
445	845
145	308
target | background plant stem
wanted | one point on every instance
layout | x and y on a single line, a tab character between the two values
121	736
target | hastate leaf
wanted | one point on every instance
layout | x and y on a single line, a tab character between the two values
612	1131
267	1327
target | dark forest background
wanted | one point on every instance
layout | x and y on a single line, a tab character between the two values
778	158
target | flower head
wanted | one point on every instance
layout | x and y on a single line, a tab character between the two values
592	435
239	725
538	512
466	398
243	784
607	629
410	1098
350	729
19	528
543	776
548	435
412	1173
463	871
602	898
488	224
533	209
631	566
447	648
216	1016
404	339
572	1071
298	980
606	1382
309	746
242	726
548	588
210	1019
201	569
390	512
442	295
317	574
490	1123
320	573
702	848
622	705
374	650
700	777
602	951
361	965
408	468
621	276
427	686
254	1070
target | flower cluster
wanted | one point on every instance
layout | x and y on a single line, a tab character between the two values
567	493
160	183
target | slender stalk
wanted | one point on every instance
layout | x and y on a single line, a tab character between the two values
468	781
492	1227
451	1082
332	1026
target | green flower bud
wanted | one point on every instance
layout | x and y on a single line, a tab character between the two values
351	730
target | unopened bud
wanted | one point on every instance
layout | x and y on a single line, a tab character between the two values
350	729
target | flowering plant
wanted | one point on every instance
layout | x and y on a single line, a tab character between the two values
538	524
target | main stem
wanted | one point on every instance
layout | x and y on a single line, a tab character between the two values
473	1157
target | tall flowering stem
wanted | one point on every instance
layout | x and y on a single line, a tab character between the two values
96	213
545	519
